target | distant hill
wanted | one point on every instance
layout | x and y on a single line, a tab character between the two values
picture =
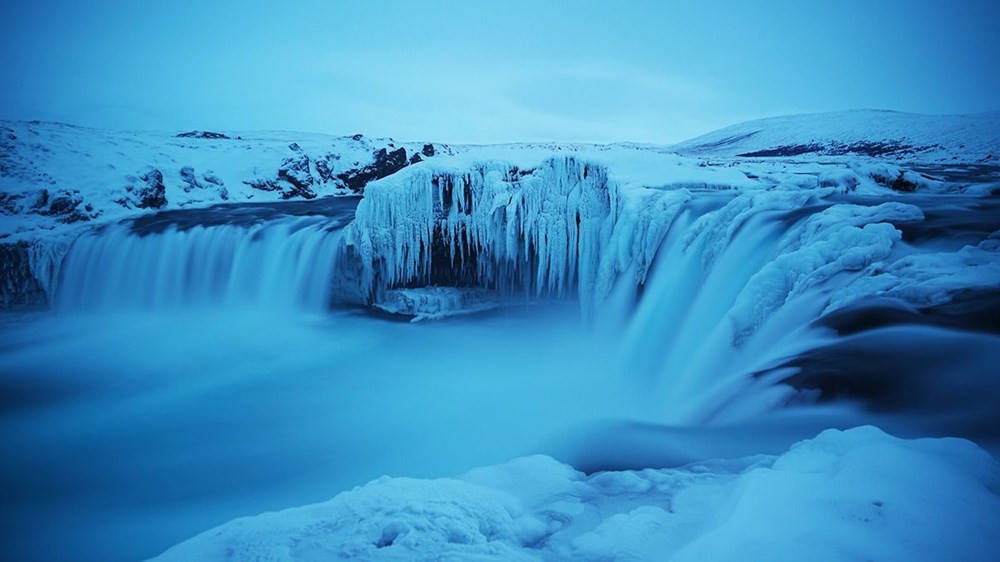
880	134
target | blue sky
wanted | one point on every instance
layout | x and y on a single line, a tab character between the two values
470	71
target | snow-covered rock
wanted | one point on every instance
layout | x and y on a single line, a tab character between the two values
433	303
844	495
52	173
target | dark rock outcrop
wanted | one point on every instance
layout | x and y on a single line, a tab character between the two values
427	150
66	206
325	167
190	182
296	174
18	287
210	177
873	149
263	184
145	191
69	208
202	135
386	163
783	151
903	181
11	203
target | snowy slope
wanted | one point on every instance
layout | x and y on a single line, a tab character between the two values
906	137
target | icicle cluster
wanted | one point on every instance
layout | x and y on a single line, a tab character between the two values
45	258
561	229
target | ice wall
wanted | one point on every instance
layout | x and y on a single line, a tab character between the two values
559	230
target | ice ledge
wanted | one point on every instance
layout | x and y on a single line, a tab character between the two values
436	303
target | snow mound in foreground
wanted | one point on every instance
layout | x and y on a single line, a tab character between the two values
844	495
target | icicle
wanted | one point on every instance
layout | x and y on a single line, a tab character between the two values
544	233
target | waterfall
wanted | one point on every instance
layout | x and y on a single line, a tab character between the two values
734	289
700	293
280	264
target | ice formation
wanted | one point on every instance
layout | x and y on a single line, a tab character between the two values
927	279
561	229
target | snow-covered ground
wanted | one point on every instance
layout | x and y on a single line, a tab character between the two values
843	268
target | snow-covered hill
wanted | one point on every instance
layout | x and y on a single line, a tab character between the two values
907	137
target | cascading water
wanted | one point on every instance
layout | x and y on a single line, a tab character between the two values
282	263
739	280
697	291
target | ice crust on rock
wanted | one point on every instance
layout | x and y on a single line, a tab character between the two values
927	279
434	303
840	238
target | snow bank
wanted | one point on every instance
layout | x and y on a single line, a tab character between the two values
844	495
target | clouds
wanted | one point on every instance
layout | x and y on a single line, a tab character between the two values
489	72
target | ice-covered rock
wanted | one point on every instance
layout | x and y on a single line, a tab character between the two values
433	303
927	279
18	286
145	190
539	231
